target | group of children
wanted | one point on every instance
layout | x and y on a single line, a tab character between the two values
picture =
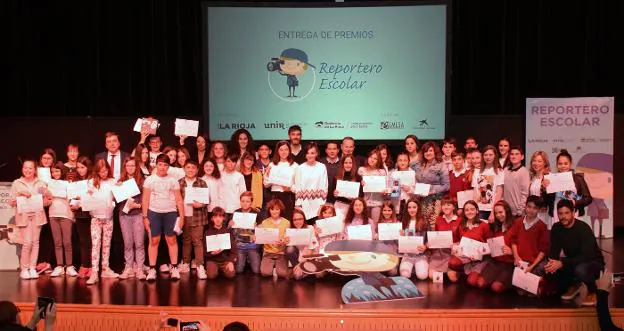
509	201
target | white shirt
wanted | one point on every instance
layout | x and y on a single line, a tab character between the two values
162	197
117	170
486	182
310	187
233	185
214	187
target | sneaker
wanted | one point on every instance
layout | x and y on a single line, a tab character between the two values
127	273
175	273
139	274
151	275
590	300
93	279
25	274
164	268
71	271
58	271
43	267
109	273
33	273
201	272
184	268
572	291
193	264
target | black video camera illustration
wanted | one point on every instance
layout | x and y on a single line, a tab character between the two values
274	64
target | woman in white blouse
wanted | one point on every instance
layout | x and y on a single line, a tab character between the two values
310	185
282	181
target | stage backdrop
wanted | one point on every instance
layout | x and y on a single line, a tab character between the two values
367	72
8	255
583	126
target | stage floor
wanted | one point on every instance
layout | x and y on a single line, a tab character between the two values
250	291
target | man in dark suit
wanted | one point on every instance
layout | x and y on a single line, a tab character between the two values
113	156
348	147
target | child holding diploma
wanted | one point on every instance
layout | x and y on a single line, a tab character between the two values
414	224
458	178
195	218
100	189
221	260
498	272
131	223
248	251
373	199
326	211
253	178
61	223
388	215
232	185
211	174
218	150
357	215
83	220
402	164
438	261
488	182
29	223
282	158
471	226
274	253
346	172
295	254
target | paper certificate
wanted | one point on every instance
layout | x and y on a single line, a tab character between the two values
350	190
496	245
126	190
422	189
29	205
218	242
299	237
266	235
463	197
525	280
187	128
407	177
89	203
147	125
44	174
560	182
440	239
409	244
473	249
389	231
281	175
196	194
360	232
244	220
330	225
58	188
374	184
77	189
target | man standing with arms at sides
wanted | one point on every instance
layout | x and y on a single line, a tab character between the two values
294	138
113	156
348	147
332	163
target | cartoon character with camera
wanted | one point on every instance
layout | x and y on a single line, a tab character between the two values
291	63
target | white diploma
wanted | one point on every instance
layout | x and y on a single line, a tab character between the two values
463	197
560	182
360	232
127	189
350	190
29	205
440	239
218	242
472	249
77	189
422	189
187	128
389	231
407	177
330	225
44	174
299	237
409	244
58	188
244	220
525	280
196	194
281	175
374	184
496	245
266	235
90	203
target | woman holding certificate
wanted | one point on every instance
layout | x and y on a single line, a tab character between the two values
431	172
414	225
131	223
347	172
27	195
280	177
373	196
83	217
488	182
540	166
310	185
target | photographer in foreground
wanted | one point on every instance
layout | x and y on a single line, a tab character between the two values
10	319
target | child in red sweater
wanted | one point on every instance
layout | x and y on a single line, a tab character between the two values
439	260
459	181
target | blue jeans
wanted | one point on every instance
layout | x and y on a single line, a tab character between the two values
254	260
585	272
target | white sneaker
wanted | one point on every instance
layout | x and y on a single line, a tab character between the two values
193	264
94	277
164	268
184	268
139	274
33	273
109	273
25	274
151	275
127	273
175	273
58	271
71	271
201	272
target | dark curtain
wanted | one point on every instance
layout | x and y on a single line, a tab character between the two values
127	58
